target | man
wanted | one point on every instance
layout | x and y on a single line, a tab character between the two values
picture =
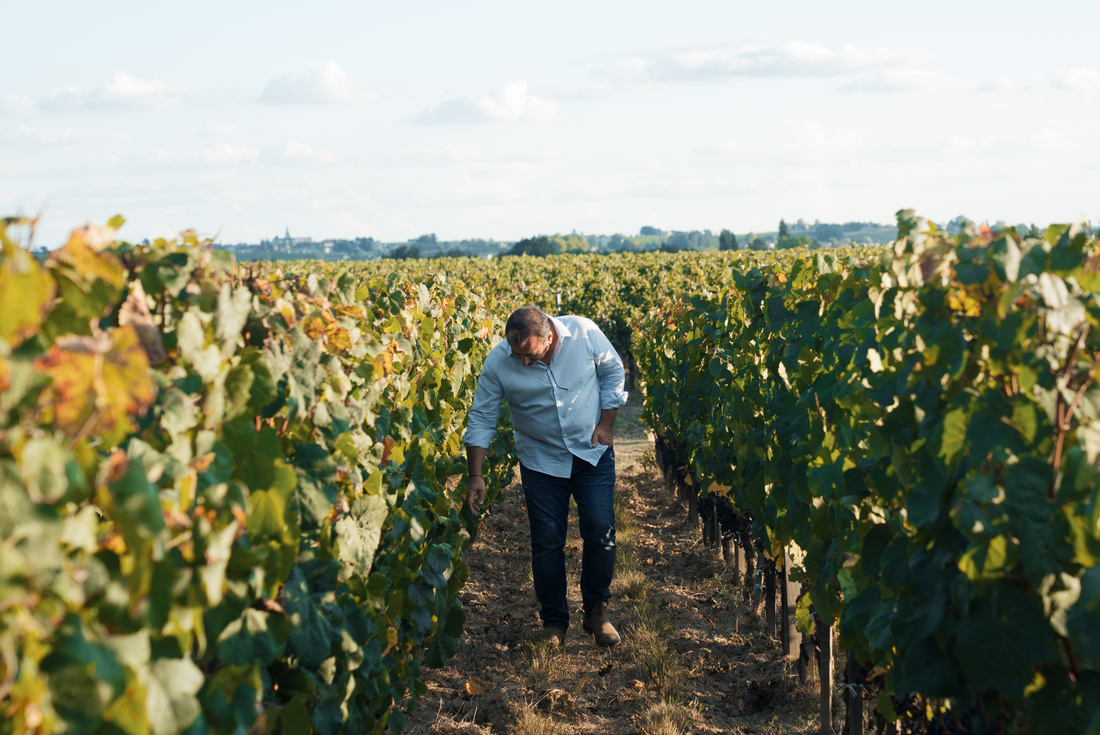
564	384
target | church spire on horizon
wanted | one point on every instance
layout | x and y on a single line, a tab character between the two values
288	232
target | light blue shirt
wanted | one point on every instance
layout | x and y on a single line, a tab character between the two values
555	407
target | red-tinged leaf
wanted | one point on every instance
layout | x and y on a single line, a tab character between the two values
387	447
97	381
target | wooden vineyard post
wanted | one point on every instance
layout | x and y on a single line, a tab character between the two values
792	639
853	696
825	671
807	655
693	500
750	578
769	597
718	538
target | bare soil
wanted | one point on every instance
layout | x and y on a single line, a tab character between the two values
694	658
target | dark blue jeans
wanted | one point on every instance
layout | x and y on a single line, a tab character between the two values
548	510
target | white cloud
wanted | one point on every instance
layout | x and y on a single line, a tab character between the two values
511	103
323	84
1000	84
452	155
219	129
122	92
227	154
15	104
1048	140
294	152
1080	79
797	143
790	59
906	80
42	136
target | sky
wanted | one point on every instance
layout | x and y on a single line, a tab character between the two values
504	120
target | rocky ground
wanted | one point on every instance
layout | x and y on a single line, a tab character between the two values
694	658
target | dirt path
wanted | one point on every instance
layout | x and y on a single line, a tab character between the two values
693	658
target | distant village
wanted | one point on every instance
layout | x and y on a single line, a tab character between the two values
289	247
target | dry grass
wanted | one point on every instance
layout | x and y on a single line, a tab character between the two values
627	528
529	722
631	584
646	644
543	663
667	718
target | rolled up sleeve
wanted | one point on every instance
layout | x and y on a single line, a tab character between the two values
609	370
481	424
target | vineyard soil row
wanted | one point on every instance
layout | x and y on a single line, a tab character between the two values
694	658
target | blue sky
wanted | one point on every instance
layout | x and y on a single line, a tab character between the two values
494	119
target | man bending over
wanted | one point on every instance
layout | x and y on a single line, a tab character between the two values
564	383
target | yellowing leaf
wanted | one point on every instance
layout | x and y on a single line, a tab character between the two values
83	253
338	339
26	293
286	311
382	364
314	327
391	640
353	311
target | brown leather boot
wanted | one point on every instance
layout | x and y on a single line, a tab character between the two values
596	621
553	636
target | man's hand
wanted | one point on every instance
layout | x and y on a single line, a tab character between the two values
475	495
603	435
475	488
605	430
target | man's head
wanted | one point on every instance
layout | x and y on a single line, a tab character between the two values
529	334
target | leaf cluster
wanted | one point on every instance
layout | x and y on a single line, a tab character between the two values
923	430
228	495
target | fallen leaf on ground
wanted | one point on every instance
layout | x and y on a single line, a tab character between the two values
475	685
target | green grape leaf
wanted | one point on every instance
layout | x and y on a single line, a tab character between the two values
360	531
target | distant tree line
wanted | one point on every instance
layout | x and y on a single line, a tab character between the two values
403	252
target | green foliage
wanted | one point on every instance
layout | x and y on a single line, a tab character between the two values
224	492
227	495
539	246
403	252
825	232
727	240
787	242
924	426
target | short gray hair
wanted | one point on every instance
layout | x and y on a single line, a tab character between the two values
526	322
